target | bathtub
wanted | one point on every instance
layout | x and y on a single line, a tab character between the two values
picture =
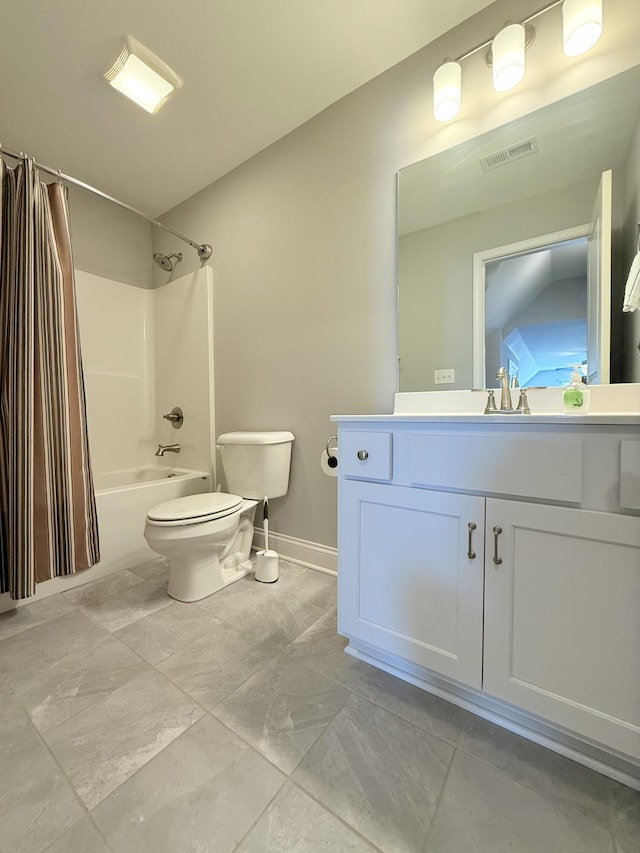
123	499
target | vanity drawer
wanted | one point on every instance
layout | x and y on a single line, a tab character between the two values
545	468
365	455
630	474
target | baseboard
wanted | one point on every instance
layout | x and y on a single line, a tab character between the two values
312	555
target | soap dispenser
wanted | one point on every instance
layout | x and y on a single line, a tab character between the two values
575	397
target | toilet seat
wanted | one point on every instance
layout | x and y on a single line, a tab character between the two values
194	509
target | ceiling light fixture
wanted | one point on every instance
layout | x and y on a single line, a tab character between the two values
447	90
142	76
582	27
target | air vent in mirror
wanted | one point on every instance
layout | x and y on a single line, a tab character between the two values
507	155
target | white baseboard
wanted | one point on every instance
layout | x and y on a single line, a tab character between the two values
312	555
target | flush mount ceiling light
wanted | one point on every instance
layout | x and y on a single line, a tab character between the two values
581	25
142	76
447	90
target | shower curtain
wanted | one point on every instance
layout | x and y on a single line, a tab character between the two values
48	521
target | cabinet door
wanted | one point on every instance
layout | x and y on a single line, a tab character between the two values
406	582
562	618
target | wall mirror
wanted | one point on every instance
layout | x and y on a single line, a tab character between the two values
480	282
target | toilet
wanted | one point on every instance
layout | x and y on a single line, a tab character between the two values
207	537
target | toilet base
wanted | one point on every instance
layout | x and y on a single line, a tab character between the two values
192	580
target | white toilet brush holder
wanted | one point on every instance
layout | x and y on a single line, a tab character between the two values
267	561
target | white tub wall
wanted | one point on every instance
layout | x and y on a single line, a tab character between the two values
115	332
183	323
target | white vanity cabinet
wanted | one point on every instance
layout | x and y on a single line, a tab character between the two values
499	564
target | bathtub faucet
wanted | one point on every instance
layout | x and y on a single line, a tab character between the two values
167	448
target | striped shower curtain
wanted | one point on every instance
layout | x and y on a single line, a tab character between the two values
48	522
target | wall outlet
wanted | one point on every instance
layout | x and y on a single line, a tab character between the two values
444	377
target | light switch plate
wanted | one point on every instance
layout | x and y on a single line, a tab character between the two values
446	376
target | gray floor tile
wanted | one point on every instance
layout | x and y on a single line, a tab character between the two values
37	648
211	668
295	823
624	806
261	611
379	773
101	749
30	615
484	811
166	631
282	709
127	605
201	793
74	682
36	801
442	719
550	774
321	648
626	845
96	591
156	570
83	837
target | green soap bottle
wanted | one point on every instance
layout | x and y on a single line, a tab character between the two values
575	397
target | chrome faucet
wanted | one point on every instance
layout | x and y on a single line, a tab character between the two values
505	394
167	448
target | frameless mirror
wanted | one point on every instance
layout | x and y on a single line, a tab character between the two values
480	282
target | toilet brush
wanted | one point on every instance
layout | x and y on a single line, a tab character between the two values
267	561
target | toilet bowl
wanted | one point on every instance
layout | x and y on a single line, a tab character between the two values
207	538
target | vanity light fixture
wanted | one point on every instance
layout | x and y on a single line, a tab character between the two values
582	27
447	90
507	51
142	76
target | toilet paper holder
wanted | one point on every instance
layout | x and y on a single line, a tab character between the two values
332	460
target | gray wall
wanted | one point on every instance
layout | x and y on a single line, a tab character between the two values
435	269
304	243
110	241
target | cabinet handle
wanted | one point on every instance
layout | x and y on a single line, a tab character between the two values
362	455
496	559
471	554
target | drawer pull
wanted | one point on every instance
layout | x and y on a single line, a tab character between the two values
362	455
496	559
471	554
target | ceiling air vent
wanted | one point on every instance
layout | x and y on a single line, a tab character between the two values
507	155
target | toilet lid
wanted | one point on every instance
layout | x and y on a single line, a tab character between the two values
195	507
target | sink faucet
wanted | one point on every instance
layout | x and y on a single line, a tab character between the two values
505	393
167	448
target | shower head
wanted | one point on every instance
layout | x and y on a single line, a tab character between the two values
165	261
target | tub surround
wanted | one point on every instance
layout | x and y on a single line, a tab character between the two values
495	561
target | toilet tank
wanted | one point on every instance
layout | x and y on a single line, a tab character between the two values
256	464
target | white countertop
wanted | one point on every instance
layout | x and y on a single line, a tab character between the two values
619	418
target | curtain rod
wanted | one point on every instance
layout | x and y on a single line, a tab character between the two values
204	249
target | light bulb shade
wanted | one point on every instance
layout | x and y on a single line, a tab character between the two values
142	76
581	25
508	57
447	89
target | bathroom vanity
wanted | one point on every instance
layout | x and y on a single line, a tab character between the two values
495	561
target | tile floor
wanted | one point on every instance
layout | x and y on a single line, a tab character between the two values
130	722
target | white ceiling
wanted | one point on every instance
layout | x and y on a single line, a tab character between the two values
253	70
